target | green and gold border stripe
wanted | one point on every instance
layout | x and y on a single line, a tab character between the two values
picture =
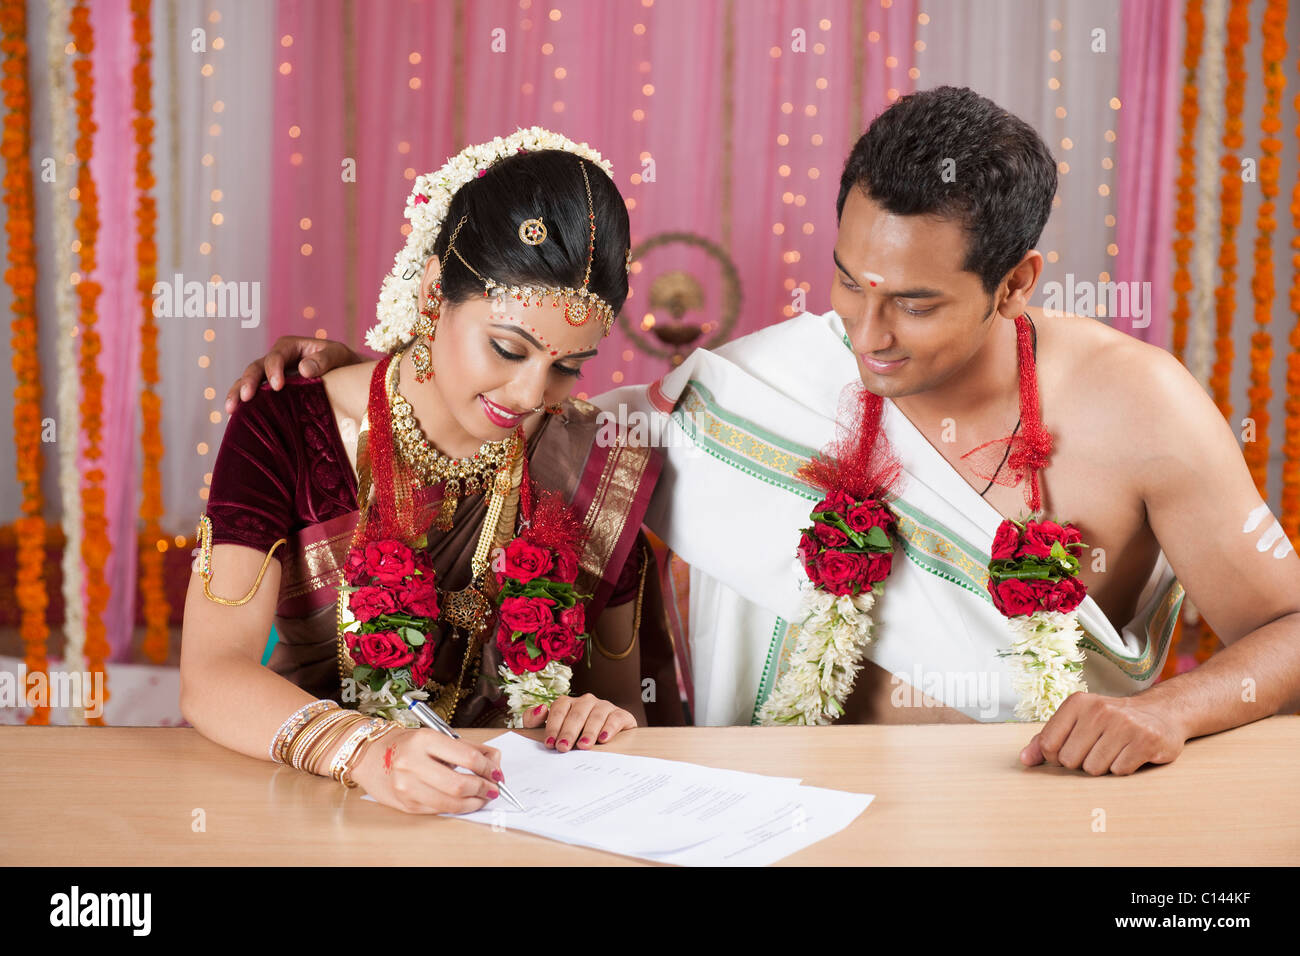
741	443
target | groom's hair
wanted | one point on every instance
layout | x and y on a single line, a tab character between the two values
950	152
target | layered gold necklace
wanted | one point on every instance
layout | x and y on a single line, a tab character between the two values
469	475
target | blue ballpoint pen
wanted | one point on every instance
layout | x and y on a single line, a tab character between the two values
430	718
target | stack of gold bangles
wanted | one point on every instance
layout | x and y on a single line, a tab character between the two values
304	740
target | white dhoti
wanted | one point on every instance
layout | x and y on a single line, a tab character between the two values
737	424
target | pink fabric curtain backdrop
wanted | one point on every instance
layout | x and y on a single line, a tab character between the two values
424	80
1150	69
118	308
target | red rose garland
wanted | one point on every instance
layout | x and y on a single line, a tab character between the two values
541	620
394	604
846	553
1034	582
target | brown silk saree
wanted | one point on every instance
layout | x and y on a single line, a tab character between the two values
283	472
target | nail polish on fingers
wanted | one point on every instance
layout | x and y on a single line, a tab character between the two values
603	735
493	794
498	776
585	740
550	741
563	743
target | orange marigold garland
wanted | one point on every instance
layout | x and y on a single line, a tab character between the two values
30	587
153	591
1230	189
1185	216
1290	519
95	544
1261	284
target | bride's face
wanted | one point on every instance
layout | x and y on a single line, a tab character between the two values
494	361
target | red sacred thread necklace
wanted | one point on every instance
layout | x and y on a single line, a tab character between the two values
1026	453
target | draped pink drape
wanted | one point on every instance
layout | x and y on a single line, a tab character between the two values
118	308
735	118
1150	67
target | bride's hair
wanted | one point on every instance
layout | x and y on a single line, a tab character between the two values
545	185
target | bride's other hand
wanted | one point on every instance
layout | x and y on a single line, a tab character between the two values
579	722
314	356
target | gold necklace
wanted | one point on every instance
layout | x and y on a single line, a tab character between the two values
469	475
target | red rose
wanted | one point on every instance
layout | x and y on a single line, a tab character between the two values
1069	594
354	568
367	603
556	643
839	573
527	614
829	536
575	618
517	659
505	636
1034	544
388	562
1013	597
1070	535
422	669
877	567
1006	541
524	560
868	515
836	501
566	566
809	548
419	597
384	650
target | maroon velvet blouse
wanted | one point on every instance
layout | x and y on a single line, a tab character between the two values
282	467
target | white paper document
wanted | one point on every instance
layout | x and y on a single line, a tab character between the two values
662	810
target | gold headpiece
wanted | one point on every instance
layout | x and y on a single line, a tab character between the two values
576	313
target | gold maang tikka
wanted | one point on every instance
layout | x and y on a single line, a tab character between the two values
533	232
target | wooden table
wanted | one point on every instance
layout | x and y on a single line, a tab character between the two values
945	794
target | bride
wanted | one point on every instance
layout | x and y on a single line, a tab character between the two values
442	522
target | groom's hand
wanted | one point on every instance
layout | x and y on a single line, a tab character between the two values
1099	734
315	357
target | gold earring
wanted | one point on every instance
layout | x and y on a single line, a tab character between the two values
427	330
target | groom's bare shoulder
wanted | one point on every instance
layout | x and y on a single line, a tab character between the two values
1135	400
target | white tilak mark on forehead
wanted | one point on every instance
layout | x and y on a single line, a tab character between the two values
1272	535
873	277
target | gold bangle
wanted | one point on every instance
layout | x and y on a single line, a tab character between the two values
327	740
302	744
293	748
343	757
205	566
636	623
345	776
295	722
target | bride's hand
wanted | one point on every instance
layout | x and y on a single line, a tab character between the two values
580	722
411	770
315	357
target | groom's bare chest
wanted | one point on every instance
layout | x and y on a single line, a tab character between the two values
1084	483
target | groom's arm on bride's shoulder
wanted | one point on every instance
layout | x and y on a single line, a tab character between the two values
314	357
1232	557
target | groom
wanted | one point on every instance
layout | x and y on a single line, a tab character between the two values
941	203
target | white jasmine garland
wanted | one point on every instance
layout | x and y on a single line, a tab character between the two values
426	208
526	691
1046	662
384	703
69	387
826	660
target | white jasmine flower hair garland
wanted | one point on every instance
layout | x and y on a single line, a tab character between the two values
426	208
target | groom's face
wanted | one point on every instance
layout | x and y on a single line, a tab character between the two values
914	317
